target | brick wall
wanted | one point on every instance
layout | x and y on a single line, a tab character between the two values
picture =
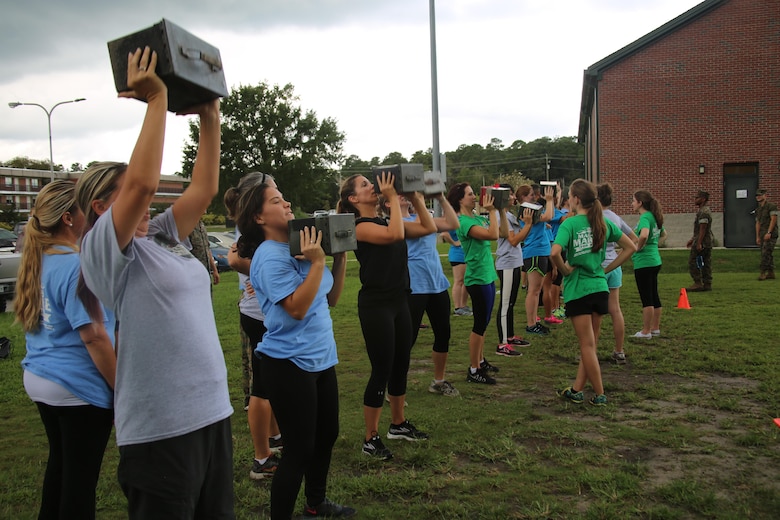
708	93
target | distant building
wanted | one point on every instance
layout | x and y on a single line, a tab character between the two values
695	104
20	187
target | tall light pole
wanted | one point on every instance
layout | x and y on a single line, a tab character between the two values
15	104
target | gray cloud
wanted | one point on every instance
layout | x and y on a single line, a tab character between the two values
39	36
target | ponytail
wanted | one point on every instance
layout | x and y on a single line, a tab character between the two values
586	192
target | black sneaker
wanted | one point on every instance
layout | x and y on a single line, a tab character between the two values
406	431
264	470
538	329
487	367
480	376
328	509
276	445
376	449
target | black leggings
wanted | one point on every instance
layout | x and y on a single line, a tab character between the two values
647	285
77	441
483	298
438	308
306	405
505	322
387	331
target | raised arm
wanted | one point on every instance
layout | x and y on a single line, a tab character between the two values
394	231
528	219
298	303
549	206
424	224
195	200
143	170
449	219
491	233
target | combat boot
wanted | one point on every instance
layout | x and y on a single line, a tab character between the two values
707	287
696	287
762	276
770	275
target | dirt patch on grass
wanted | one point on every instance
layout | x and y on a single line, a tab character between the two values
708	425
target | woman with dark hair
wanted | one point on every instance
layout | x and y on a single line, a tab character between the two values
582	237
266	439
70	364
475	234
536	255
509	265
428	283
383	306
614	277
460	297
298	348
172	403
647	261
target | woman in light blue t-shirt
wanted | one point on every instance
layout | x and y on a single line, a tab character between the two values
298	348
70	365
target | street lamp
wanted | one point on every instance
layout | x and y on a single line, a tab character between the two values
15	104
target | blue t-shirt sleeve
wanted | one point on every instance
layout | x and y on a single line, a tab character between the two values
276	275
72	307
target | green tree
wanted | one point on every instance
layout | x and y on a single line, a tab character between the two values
30	164
393	158
265	129
8	215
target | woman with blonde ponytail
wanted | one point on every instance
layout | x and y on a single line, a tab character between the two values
70	363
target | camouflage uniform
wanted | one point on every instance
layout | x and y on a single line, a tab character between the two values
702	276
199	238
764	214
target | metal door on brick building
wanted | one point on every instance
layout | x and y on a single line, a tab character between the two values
740	182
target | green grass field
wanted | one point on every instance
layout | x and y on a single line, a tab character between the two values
688	431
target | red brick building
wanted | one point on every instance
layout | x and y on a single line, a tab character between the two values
20	187
693	105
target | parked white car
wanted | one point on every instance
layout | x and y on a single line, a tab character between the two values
225	239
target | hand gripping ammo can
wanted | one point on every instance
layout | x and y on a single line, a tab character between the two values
338	232
189	67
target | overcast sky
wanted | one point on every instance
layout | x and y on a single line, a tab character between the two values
509	69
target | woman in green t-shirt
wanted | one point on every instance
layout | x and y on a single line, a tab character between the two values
647	261
475	234
583	238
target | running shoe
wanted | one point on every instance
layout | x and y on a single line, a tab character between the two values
571	395
507	350
480	376
642	335
552	320
517	341
264	470
374	448
619	357
328	509
406	431
276	445
538	330
443	388
487	367
598	400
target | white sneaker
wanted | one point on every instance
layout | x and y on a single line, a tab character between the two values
656	332
642	335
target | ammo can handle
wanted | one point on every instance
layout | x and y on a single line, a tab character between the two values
343	233
195	54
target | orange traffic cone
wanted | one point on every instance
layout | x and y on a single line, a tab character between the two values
777	422
682	303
